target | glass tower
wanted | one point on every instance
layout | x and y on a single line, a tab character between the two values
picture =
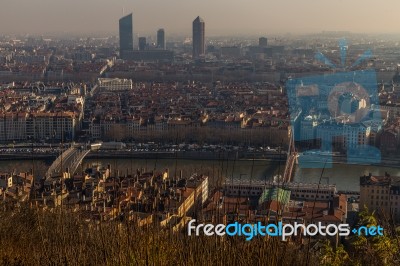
125	34
198	37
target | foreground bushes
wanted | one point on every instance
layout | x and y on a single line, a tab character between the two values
34	237
29	236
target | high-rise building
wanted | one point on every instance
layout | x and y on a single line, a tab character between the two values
263	42
161	39
142	43
198	37
125	34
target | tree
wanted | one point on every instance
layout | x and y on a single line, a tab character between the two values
334	257
378	250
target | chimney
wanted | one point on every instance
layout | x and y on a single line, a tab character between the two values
180	197
331	208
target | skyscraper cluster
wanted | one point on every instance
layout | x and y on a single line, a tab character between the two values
126	37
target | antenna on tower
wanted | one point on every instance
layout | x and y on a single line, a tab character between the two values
123	11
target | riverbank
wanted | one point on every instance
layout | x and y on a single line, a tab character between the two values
195	155
28	156
342	159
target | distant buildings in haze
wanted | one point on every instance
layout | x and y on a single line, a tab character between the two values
161	39
146	52
263	42
142	43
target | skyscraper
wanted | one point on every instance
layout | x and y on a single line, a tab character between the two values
161	39
198	37
125	34
142	43
263	42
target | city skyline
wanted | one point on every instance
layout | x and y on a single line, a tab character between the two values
262	17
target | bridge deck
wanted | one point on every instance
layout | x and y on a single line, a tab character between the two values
69	159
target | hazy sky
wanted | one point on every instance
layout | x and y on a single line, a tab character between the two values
225	17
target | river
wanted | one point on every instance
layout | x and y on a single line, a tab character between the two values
346	177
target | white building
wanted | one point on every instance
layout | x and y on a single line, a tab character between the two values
115	84
299	191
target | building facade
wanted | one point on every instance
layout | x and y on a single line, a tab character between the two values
381	194
39	126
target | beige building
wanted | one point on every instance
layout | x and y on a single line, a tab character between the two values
38	126
381	194
13	126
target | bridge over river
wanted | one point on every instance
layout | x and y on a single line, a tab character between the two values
70	159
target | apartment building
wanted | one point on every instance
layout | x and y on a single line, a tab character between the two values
38	126
381	194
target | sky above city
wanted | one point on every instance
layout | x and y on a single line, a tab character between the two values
222	17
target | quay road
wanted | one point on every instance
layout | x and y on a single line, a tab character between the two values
192	155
